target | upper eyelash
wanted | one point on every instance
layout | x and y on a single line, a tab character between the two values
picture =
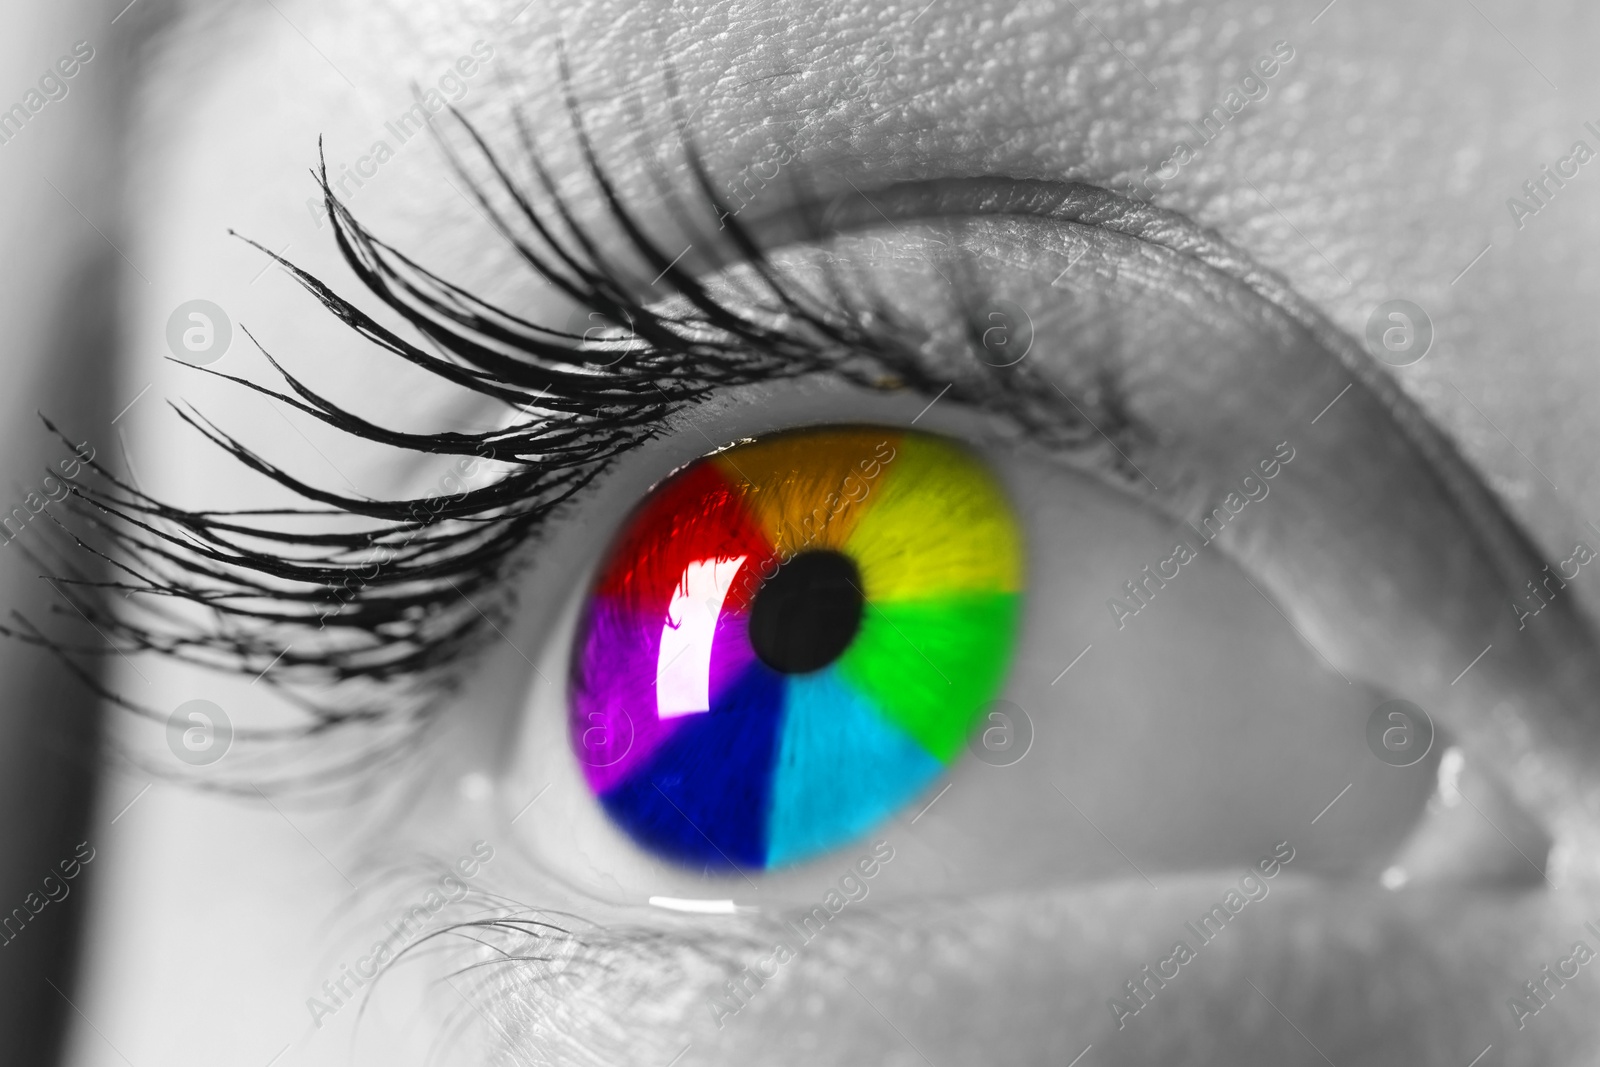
402	585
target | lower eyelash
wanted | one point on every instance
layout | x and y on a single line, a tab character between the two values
540	986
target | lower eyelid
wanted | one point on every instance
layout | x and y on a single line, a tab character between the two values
564	997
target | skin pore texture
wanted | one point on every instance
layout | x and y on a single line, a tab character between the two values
1377	166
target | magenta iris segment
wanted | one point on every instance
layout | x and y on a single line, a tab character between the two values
790	640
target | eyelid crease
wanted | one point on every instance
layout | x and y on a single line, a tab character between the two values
1091	205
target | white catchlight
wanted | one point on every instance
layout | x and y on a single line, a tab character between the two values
683	667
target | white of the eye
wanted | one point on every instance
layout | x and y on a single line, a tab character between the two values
683	666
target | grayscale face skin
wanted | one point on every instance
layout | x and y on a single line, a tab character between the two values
1217	734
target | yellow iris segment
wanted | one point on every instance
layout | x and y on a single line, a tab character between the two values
935	525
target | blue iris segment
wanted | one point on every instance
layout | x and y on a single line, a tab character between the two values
842	768
703	796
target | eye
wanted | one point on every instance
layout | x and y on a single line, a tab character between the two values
1175	720
790	640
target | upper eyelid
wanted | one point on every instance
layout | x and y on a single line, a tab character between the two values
1091	205
1452	599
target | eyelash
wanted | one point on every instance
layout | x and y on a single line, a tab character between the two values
398	593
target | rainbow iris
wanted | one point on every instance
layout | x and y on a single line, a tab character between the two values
792	638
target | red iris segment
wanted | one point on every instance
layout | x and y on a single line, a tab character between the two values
698	515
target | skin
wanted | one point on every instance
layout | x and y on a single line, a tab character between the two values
1349	210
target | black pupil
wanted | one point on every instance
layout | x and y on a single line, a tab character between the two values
807	613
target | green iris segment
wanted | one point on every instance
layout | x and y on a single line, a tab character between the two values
929	665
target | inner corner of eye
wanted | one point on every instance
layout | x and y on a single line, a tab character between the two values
790	640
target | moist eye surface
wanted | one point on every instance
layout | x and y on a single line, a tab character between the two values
790	639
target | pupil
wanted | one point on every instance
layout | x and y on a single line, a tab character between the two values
808	612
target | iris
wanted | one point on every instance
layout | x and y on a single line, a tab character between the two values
790	639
